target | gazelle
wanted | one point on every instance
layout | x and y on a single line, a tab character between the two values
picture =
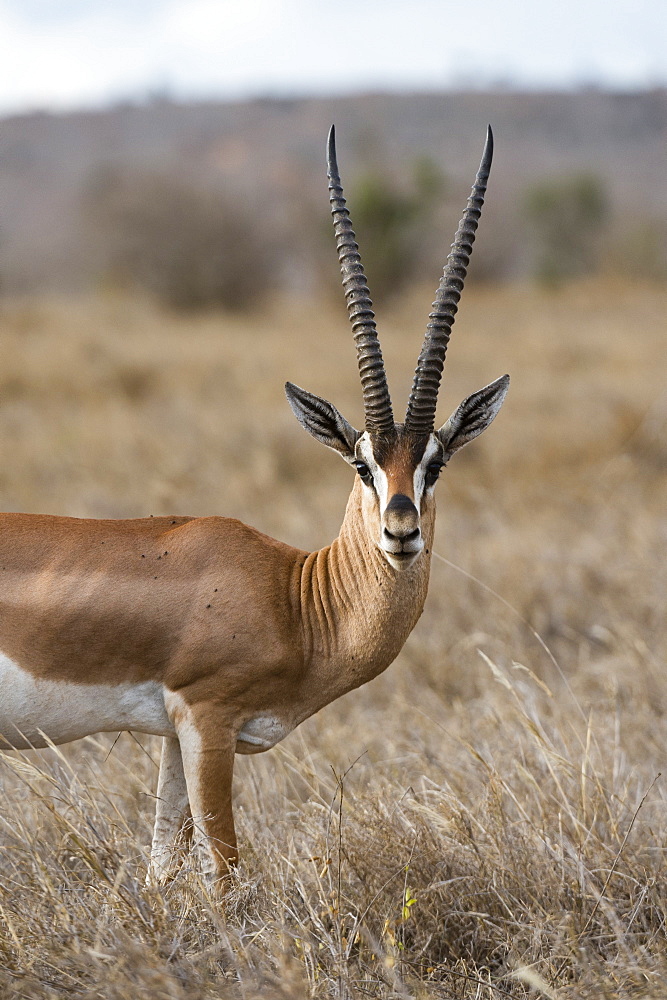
214	636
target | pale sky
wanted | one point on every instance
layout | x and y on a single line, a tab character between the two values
61	54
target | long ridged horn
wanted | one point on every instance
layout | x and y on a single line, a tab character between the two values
420	415
377	404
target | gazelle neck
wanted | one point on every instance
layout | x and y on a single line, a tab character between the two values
357	610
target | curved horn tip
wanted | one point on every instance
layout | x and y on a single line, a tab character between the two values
331	148
487	155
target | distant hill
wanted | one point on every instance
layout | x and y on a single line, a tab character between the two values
266	158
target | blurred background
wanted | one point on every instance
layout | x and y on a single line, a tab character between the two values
176	146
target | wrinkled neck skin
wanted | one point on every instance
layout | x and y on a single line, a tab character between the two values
357	611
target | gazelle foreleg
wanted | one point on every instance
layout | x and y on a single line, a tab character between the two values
208	744
171	813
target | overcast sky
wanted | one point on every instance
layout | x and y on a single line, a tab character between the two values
78	53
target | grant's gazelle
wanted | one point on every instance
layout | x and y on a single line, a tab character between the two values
209	633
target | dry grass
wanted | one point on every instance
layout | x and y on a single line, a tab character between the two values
485	820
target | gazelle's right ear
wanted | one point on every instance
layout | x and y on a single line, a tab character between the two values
323	421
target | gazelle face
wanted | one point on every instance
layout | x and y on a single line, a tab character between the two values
398	470
398	479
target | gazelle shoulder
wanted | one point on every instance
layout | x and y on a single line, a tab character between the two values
231	534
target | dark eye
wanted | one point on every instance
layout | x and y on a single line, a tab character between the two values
432	473
364	472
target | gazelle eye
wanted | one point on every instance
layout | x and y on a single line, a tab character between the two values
432	473
364	472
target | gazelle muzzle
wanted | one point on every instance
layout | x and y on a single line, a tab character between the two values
401	537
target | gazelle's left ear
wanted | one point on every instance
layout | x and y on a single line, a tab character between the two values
321	419
473	415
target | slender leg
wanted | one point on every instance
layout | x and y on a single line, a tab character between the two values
172	811
207	746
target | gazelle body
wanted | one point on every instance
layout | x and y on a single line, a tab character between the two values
214	636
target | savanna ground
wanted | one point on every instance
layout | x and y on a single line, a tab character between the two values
488	819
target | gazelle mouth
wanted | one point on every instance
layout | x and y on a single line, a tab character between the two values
401	559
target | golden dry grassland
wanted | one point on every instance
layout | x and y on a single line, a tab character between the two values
485	820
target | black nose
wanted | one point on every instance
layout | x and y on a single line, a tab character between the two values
401	520
400	504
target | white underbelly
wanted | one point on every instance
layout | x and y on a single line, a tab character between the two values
32	708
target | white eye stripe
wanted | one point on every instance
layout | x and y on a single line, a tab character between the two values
365	453
432	452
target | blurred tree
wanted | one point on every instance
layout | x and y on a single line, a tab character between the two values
388	221
568	216
191	247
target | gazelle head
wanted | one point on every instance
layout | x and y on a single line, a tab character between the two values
398	464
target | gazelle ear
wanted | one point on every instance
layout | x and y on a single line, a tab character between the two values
473	415
323	421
